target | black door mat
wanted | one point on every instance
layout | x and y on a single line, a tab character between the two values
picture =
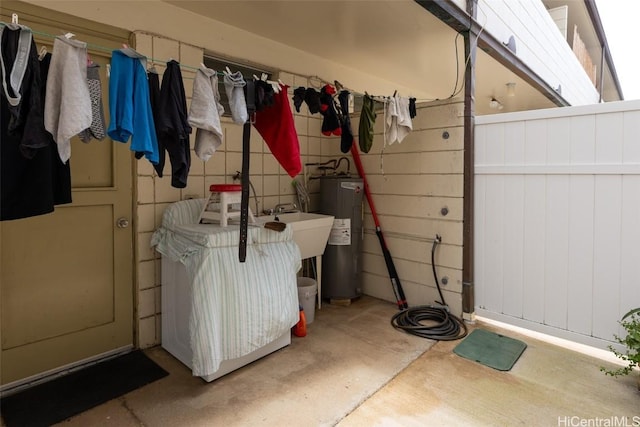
491	349
64	397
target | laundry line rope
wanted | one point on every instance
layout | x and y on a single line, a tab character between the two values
310	78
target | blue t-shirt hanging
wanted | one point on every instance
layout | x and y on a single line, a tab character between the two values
129	104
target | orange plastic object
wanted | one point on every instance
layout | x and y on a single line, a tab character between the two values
300	329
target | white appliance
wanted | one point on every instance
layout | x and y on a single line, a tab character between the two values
176	312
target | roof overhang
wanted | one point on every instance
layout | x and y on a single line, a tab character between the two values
413	45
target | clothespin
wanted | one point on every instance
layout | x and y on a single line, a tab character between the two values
274	85
68	36
43	52
125	46
395	92
228	70
14	18
264	77
256	77
108	70
339	86
204	67
89	61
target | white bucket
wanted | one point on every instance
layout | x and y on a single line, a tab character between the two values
307	291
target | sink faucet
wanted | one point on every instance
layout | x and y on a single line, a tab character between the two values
282	207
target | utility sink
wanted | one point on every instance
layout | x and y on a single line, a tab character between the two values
310	230
311	234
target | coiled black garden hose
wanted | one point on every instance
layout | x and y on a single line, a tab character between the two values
428	321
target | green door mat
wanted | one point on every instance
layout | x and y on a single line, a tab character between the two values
491	349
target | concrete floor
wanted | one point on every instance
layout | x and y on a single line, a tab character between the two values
354	369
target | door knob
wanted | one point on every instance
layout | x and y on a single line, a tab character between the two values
122	222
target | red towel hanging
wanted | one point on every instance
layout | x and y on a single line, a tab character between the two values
275	125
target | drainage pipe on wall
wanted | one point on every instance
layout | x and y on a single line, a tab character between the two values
464	22
468	287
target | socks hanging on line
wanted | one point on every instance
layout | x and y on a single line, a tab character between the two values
298	97
346	139
264	95
331	122
205	112
234	84
312	99
97	128
367	121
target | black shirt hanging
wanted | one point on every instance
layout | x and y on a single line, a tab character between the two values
26	152
172	124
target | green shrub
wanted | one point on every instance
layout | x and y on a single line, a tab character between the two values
631	323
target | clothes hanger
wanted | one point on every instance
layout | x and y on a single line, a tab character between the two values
131	53
316	82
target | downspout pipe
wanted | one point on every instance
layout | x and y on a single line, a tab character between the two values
601	83
592	9
468	286
465	24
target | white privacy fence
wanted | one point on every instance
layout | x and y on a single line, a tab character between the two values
557	217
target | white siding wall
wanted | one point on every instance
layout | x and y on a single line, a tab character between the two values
539	44
557	211
560	17
418	178
462	4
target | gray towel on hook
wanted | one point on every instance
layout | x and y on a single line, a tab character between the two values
67	110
